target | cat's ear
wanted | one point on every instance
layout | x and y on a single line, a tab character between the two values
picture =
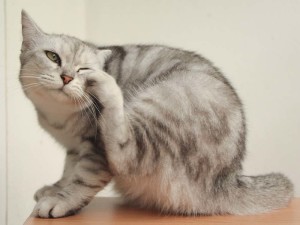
103	55
30	31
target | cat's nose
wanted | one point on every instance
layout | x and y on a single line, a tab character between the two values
66	79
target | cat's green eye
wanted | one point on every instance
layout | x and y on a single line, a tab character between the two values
53	57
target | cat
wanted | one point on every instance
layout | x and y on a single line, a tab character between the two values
164	123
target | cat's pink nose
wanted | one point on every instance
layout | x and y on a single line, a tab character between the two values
66	79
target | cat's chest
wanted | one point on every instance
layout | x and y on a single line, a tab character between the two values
68	131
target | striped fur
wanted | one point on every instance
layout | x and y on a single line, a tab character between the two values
163	122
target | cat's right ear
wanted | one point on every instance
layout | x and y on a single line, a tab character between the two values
30	31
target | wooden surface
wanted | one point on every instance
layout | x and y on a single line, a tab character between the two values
110	211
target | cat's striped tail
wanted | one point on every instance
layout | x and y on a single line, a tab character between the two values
259	194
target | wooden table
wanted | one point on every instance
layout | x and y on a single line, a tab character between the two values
109	211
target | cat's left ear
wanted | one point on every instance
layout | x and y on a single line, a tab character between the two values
103	55
31	32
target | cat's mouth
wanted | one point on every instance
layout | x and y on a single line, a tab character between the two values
71	91
67	98
61	90
76	94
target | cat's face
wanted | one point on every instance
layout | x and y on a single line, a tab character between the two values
55	65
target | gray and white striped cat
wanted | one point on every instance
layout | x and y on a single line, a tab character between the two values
162	122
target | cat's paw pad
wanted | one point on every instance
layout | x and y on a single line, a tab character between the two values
45	191
54	207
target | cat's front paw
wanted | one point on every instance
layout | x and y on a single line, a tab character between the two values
48	190
98	76
104	87
55	207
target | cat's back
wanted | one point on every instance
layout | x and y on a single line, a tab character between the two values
139	64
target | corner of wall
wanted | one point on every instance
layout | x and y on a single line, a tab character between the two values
3	136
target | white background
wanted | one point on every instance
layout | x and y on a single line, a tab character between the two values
256	43
3	162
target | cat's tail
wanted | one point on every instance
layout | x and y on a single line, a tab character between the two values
259	194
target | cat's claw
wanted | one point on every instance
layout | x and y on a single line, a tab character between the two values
53	207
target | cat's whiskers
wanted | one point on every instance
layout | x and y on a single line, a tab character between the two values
83	104
30	85
33	87
78	92
35	77
91	109
25	85
100	114
88	101
80	108
77	104
24	69
26	76
93	102
21	87
76	100
103	121
15	87
12	79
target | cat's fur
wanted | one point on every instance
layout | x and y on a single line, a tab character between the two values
163	122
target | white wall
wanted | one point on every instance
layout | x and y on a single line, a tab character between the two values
3	162
254	42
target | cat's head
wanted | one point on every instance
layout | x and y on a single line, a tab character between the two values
54	66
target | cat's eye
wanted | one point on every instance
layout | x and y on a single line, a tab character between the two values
53	57
82	69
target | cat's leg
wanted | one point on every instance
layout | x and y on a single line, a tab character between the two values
117	132
50	190
88	177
